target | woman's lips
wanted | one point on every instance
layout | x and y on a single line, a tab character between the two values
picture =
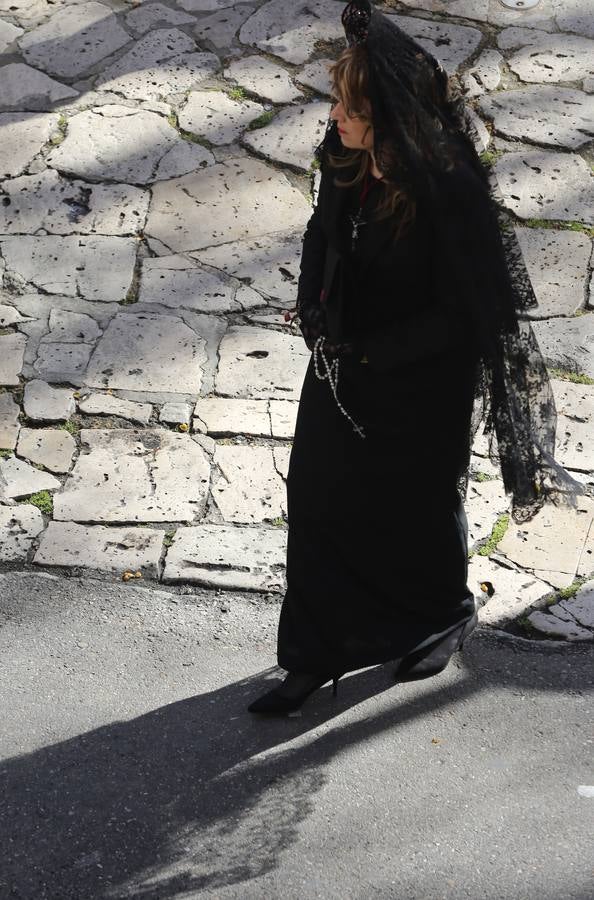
341	131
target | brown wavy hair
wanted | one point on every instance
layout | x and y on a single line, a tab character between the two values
350	80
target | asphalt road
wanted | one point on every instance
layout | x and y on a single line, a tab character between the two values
131	769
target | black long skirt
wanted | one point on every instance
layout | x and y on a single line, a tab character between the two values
377	533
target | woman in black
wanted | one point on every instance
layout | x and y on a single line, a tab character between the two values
410	307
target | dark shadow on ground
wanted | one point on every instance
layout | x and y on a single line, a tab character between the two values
199	794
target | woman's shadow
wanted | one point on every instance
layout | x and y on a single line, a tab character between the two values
195	795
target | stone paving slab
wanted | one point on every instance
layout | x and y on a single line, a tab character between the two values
549	115
61	206
250	488
557	263
97	267
107	405
226	415
513	592
489	11
575	16
176	413
290	28
175	281
44	403
315	75
25	88
265	203
549	545
115	143
586	563
450	44
230	557
283	416
11	316
292	136
269	263
125	357
261	76
575	425
543	184
484	75
19	526
162	63
9	421
74	40
133	475
107	549
214	115
559	625
144	17
259	362
543	57
485	502
8	35
18	479
23	136
12	349
220	28
567	343
183	158
62	362
52	448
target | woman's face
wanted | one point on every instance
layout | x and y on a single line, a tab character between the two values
355	132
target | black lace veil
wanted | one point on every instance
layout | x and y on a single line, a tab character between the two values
513	398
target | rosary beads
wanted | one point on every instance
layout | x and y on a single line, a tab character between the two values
332	377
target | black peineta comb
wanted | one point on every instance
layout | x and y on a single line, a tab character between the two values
355	20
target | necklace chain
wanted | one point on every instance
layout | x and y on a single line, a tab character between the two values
357	220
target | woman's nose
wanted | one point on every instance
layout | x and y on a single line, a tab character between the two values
336	112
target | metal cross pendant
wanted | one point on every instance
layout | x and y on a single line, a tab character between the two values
356	222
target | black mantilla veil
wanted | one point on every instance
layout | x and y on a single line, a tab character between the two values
434	158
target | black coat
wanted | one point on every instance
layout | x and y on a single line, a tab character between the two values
396	303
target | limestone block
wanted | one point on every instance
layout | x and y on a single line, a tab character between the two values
550	544
108	405
19	479
259	363
95	267
61	206
292	136
148	352
568	343
221	27
12	350
263	77
74	40
44	403
270	264
229	415
264	202
543	184
101	547
250	488
133	475
228	557
9	421
23	136
514	591
53	448
547	114
19	526
291	28
557	262
215	116
24	88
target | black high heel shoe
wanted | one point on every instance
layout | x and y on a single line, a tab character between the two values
418	665
300	686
